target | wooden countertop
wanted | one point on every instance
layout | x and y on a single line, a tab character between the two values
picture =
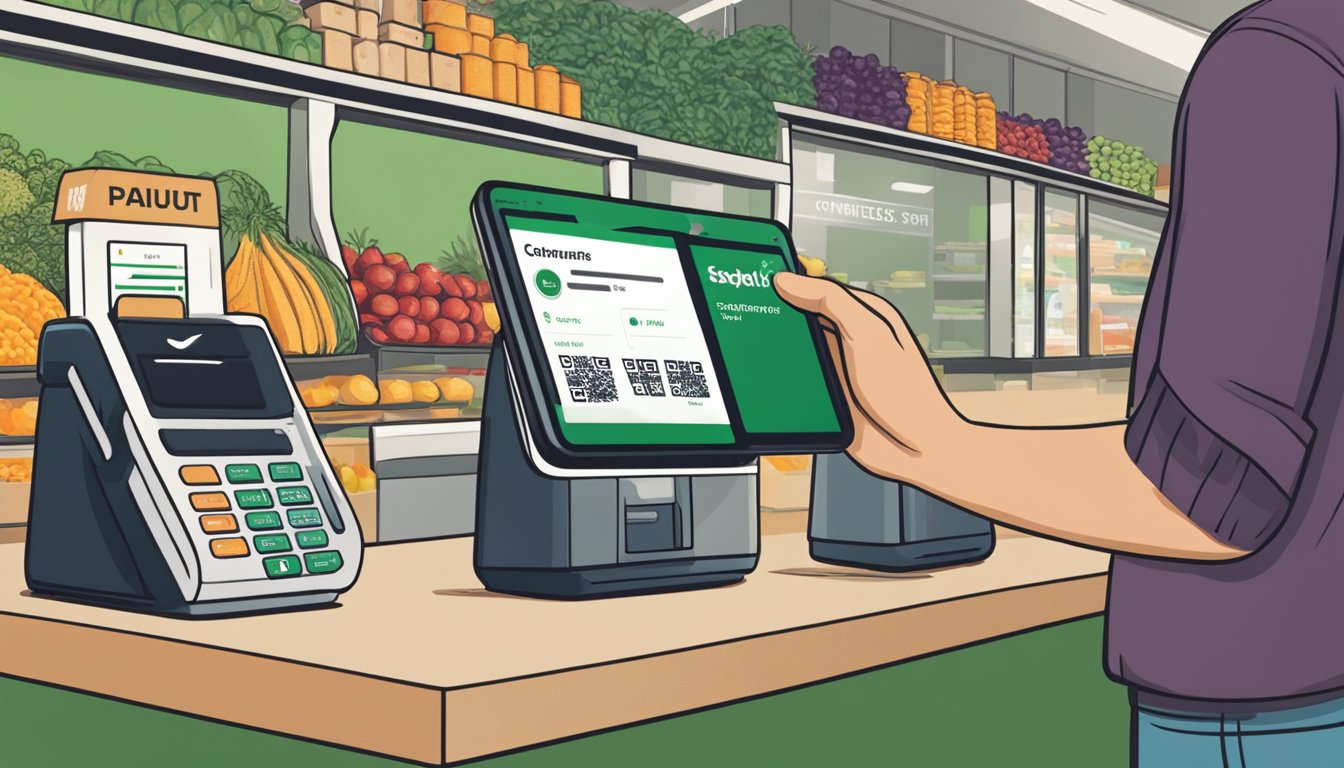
419	662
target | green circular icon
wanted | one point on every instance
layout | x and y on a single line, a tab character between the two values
548	283
634	321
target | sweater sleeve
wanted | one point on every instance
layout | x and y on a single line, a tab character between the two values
1247	297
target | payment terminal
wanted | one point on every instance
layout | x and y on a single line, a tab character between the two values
645	362
176	470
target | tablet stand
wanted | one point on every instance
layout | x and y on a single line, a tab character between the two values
862	520
545	535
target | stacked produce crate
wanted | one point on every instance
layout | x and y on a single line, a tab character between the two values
918	94
861	88
986	121
497	67
1123	164
942	110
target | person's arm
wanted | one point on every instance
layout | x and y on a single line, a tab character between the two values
1217	441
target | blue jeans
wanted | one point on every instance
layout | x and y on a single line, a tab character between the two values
1306	737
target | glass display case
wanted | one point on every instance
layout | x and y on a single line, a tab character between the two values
913	231
1060	300
1024	269
1122	243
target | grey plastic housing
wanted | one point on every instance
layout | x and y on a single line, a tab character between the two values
861	520
576	538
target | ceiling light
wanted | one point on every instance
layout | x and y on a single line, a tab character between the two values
1144	32
692	11
914	189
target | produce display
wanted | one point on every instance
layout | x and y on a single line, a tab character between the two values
29	243
1022	139
1123	164
18	418
299	292
1068	145
25	306
276	27
356	478
401	304
861	88
942	110
360	391
649	72
16	470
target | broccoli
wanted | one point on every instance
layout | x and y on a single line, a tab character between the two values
15	197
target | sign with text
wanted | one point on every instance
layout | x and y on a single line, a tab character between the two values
863	212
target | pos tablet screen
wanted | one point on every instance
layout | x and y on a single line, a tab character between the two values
646	335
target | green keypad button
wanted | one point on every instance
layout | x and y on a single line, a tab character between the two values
282	567
305	518
311	539
242	473
295	494
276	543
263	521
288	471
323	562
253	499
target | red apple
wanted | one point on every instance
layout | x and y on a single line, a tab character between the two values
409	306
483	291
467	285
370	319
429	308
383	305
475	314
348	256
485	336
380	278
360	291
407	284
378	335
369	258
450	286
422	334
454	309
468	333
444	331
397	262
428	273
401	328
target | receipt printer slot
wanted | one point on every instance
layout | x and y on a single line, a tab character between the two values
653	528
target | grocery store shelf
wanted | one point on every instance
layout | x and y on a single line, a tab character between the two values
963	278
85	41
976	318
814	121
416	406
1136	298
19	381
302	368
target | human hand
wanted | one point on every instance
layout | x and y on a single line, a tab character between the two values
904	426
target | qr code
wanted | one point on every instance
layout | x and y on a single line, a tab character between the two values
589	378
686	378
644	377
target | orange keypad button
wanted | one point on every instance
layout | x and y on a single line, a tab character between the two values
228	547
209	502
219	523
199	474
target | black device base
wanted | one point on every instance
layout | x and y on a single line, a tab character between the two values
910	556
219	609
618	581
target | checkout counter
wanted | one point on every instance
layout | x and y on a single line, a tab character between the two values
420	662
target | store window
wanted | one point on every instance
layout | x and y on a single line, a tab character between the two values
914	232
667	189
1060	274
1024	269
1122	243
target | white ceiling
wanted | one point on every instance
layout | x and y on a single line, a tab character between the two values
1204	14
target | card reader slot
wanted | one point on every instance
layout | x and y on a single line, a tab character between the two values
325	496
226	442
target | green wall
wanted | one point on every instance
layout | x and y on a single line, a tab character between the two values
71	115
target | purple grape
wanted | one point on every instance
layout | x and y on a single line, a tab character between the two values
840	52
828	103
873	60
849	82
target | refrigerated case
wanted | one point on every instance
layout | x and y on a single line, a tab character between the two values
1122	243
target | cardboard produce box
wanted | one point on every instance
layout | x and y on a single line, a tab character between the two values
402	11
454	41
445	72
392	62
445	12
368	5
481	25
331	15
366	57
401	34
338	49
417	67
366	23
